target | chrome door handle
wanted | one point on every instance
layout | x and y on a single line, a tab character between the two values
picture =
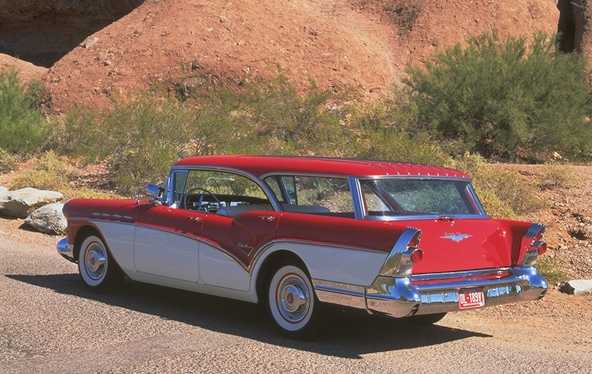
269	219
194	219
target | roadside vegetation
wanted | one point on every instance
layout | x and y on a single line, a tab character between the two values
492	100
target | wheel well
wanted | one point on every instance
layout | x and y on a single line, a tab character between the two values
273	262
82	233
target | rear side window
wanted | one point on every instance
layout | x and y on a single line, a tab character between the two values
313	194
392	197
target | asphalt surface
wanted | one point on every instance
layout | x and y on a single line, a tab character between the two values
49	323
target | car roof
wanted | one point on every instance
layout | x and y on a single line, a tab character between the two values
263	165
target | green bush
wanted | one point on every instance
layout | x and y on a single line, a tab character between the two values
383	133
22	127
139	140
270	117
505	99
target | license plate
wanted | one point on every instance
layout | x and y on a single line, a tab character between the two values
469	299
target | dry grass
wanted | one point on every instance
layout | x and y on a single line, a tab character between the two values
8	161
51	172
556	176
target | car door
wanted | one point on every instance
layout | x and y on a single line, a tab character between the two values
167	241
244	221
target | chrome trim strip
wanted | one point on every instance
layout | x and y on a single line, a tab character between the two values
459	274
340	293
290	174
415	176
424	217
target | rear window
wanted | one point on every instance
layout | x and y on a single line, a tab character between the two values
408	197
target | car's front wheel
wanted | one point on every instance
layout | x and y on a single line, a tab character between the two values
97	268
292	302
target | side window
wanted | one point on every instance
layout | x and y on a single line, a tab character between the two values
316	195
223	193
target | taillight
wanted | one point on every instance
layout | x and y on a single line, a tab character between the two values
404	254
532	244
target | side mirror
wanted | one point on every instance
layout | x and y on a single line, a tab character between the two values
154	191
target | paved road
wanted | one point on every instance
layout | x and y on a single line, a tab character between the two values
49	323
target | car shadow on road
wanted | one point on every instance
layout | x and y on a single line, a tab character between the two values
346	333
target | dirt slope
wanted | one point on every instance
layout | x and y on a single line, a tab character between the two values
361	43
25	70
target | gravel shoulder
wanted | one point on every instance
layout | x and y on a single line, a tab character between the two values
50	323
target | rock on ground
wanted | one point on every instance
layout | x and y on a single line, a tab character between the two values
48	219
578	287
20	203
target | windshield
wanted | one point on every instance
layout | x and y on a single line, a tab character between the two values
408	197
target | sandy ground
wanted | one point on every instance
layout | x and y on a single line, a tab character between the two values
50	323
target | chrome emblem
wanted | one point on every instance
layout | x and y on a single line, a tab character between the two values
456	237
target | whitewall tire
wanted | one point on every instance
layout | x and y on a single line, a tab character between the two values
95	264
291	301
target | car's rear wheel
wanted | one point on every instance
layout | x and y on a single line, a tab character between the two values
292	303
97	268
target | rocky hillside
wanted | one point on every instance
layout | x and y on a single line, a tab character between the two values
365	44
43	31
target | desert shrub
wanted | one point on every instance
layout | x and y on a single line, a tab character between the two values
49	172
382	133
22	127
8	161
270	117
503	192
504	99
139	139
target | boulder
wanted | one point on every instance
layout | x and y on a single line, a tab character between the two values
577	287
48	219
20	203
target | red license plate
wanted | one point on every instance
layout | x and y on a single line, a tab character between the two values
469	299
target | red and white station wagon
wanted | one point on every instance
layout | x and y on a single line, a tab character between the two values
395	239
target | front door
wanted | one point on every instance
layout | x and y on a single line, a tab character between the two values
167	242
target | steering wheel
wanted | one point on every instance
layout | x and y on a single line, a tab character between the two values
201	195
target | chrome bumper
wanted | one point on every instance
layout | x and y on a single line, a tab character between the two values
65	249
434	293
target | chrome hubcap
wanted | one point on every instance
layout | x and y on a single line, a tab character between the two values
95	261
293	298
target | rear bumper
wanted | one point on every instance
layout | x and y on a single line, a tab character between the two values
66	249
435	293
